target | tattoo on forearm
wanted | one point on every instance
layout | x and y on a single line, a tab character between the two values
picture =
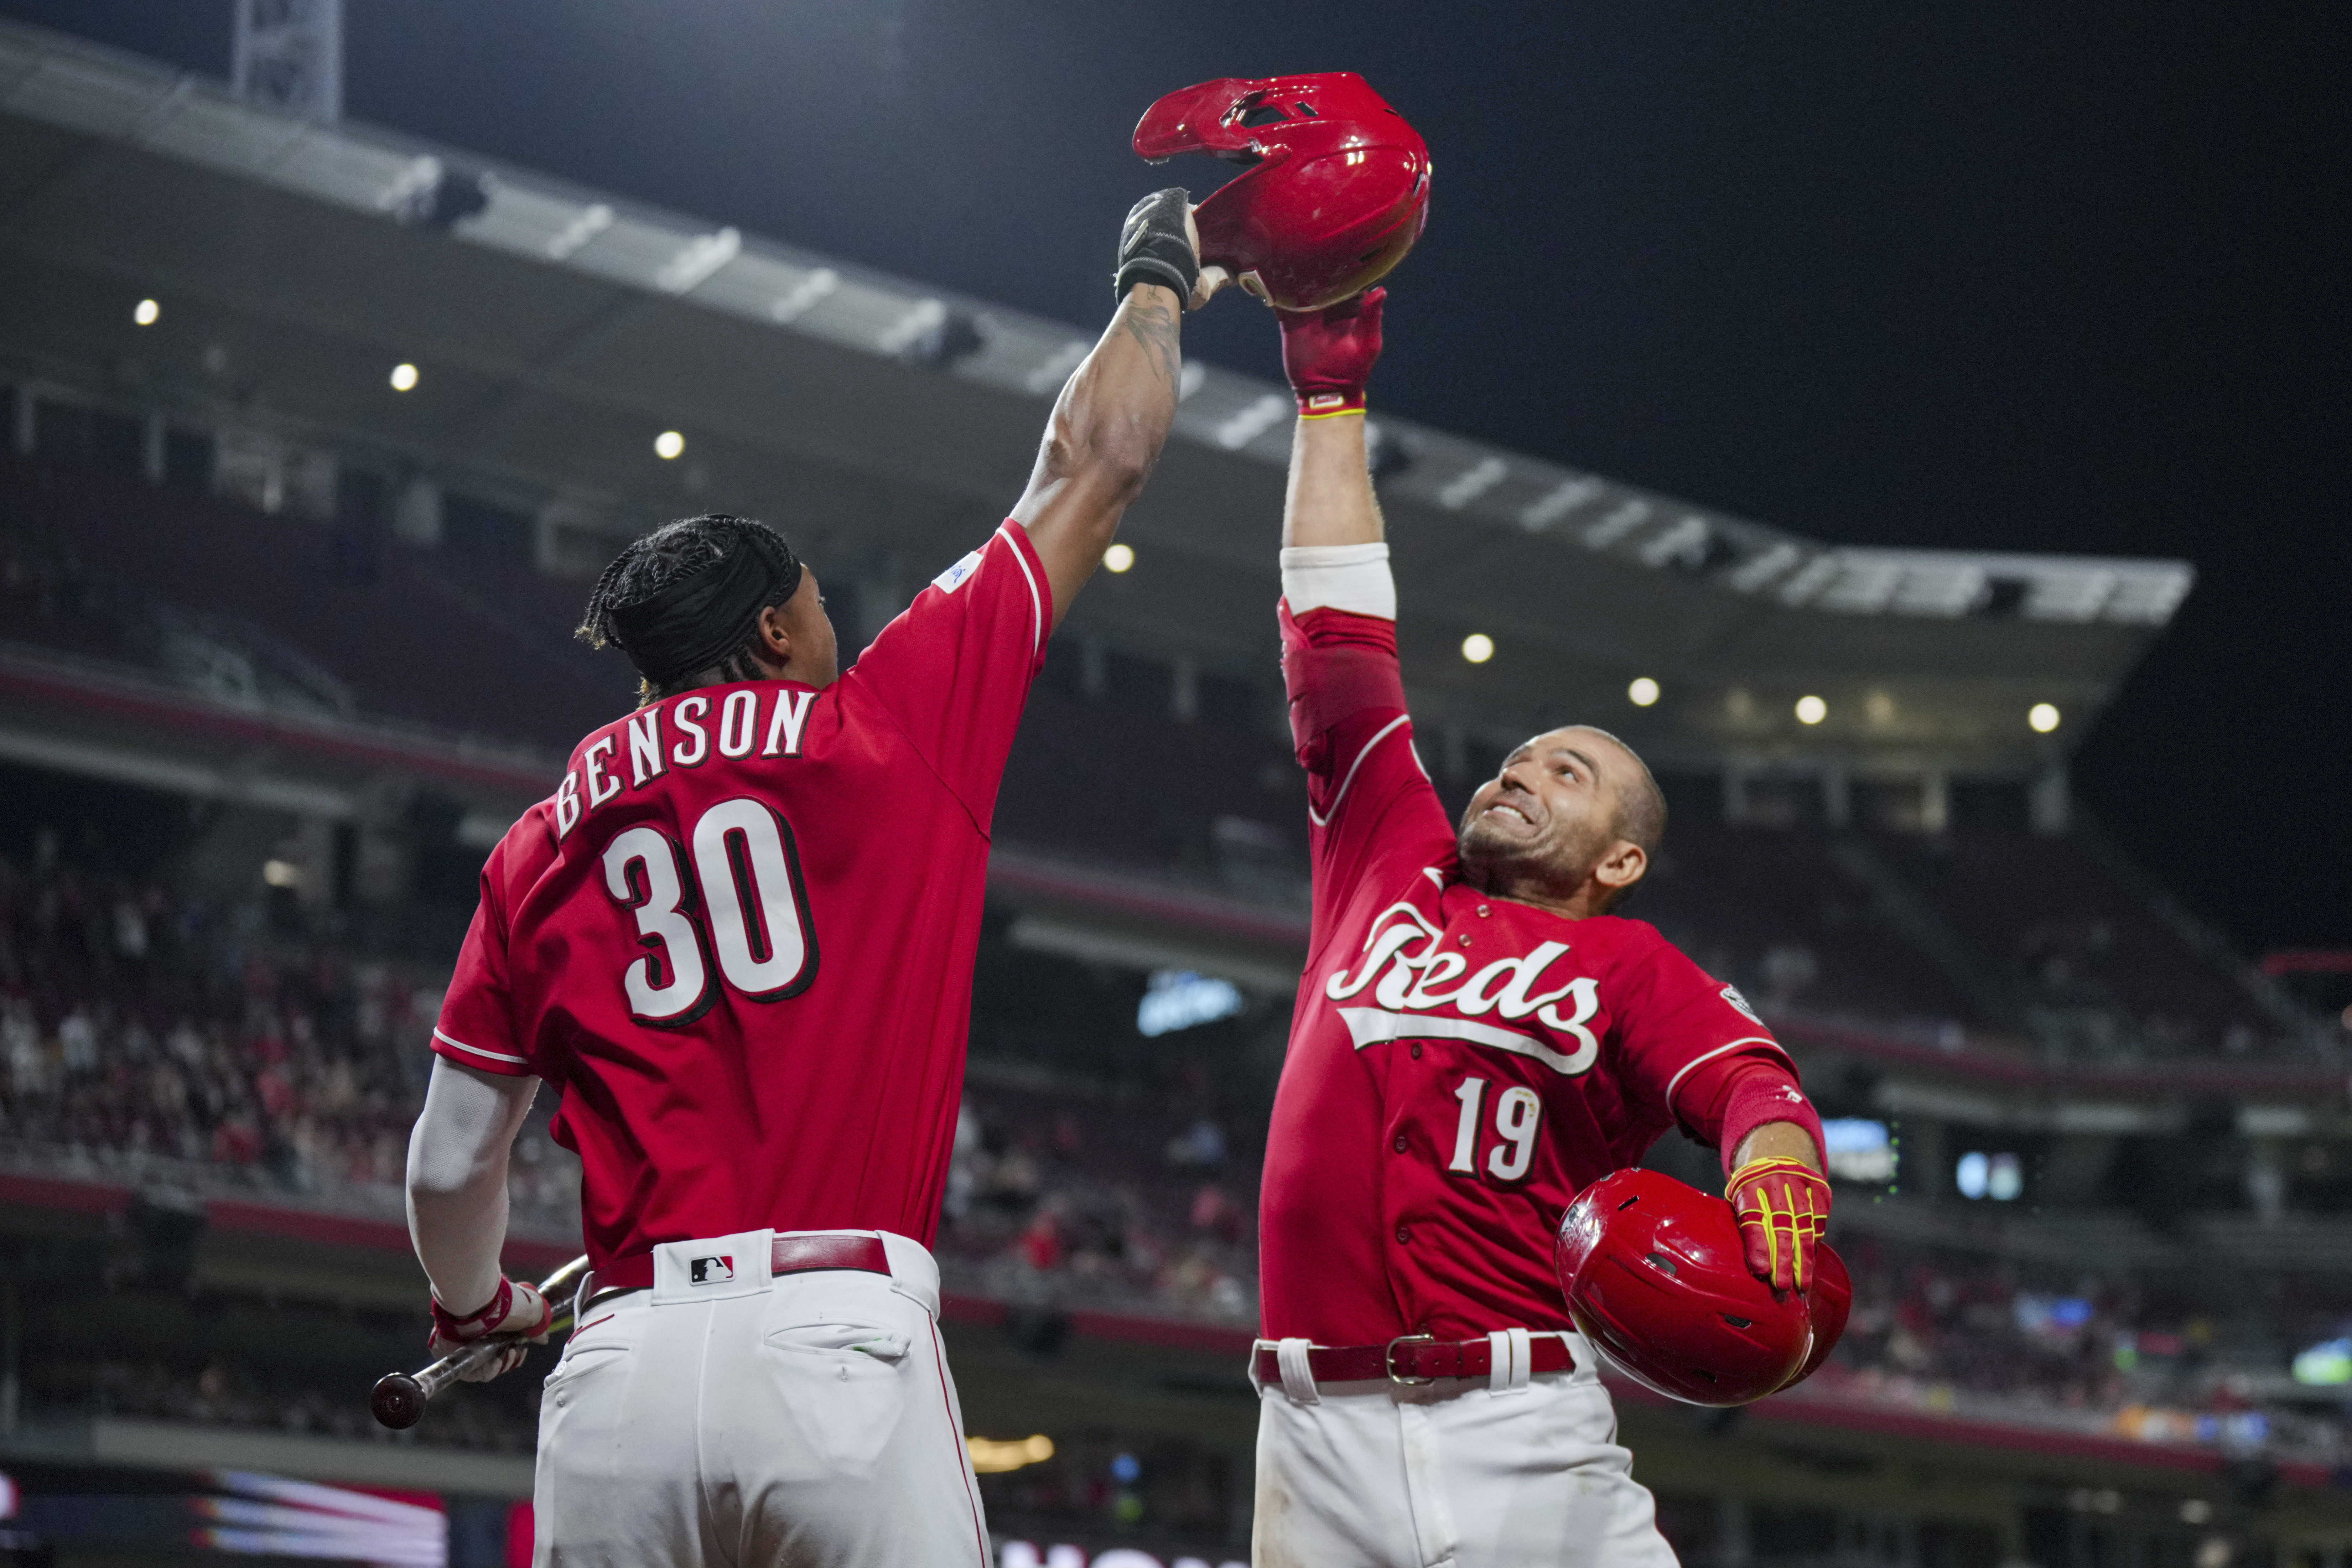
1154	327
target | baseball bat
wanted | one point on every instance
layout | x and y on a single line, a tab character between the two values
400	1397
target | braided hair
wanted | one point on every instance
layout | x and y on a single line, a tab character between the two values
685	600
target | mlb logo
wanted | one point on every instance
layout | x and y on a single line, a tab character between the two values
709	1270
948	581
1731	995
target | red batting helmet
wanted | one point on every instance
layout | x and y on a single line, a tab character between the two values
1336	192
1657	1279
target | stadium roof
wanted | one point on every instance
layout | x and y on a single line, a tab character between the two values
887	422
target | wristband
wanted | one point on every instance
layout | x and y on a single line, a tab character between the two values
1330	404
1761	1092
1350	577
1329	354
473	1326
1765	1166
1155	247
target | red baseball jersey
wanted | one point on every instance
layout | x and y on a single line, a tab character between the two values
739	936
1460	1066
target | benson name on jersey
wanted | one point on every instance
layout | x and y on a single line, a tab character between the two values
597	780
1407	971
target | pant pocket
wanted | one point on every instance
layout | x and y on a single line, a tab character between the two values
844	1386
885	1345
605	1343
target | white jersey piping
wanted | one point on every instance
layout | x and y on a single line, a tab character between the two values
477	1050
1036	609
1325	820
1676	1082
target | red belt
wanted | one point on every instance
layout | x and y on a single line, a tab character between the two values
1409	1358
787	1255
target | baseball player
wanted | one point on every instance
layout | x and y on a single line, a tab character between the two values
739	937
1477	1037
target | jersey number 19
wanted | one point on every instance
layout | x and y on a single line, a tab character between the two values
751	909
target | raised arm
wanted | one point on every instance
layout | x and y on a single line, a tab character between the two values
1328	353
1113	415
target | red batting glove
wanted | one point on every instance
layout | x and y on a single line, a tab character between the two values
1328	353
1783	1205
517	1309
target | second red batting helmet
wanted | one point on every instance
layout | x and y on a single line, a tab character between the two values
1335	192
1657	1279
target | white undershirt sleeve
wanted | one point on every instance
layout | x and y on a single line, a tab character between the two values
1350	577
458	1178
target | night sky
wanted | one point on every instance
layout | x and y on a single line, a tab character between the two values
1985	274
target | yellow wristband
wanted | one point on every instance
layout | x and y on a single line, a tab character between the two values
1765	1166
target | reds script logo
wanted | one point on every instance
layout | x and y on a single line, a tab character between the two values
1407	972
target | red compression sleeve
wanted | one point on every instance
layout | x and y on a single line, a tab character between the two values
1761	1093
1336	665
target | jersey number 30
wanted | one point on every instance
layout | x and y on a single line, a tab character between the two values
747	909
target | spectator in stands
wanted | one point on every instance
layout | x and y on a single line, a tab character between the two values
1201	1146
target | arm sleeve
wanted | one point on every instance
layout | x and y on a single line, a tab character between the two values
953	672
1366	792
458	1179
476	1025
1687	1037
1755	1094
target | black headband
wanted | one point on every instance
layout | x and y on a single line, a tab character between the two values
693	622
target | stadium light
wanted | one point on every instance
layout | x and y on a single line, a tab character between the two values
1859	1149
2043	717
403	377
1643	692
2327	1365
147	313
1179	999
1969	1174
993	1458
669	445
1812	710
1477	647
1118	557
2000	1177
2004	1179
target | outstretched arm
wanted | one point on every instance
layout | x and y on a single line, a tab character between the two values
1328	355
1113	415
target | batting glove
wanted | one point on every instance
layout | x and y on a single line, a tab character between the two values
1157	244
1783	1206
1328	353
517	1310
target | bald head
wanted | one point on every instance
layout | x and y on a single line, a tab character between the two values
1570	822
1641	803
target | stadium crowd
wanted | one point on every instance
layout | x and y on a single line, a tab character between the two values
143	1031
133	1022
1049	1201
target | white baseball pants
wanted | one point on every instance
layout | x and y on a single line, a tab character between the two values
807	1420
1450	1474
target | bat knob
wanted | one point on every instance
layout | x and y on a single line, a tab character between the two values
398	1402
